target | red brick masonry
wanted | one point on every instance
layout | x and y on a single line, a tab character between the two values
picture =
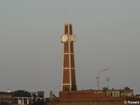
85	96
6	97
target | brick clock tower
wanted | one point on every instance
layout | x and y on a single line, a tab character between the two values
68	67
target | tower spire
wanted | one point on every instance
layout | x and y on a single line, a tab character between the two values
68	70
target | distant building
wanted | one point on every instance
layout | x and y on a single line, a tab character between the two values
119	93
6	97
22	100
28	100
38	93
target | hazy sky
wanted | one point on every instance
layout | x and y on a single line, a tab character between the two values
108	35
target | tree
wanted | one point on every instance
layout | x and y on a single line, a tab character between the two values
74	88
37	100
21	93
126	88
105	88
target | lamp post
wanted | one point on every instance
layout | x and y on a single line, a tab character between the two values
98	76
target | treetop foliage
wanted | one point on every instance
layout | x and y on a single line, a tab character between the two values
21	93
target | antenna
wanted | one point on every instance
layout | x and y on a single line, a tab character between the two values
31	83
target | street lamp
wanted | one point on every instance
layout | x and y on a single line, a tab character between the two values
98	76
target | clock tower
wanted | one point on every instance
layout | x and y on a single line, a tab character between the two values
68	67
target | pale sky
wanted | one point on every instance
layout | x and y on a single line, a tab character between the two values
108	34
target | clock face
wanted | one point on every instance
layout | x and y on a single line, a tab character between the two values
73	38
64	38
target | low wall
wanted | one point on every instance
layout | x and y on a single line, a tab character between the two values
87	103
86	96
